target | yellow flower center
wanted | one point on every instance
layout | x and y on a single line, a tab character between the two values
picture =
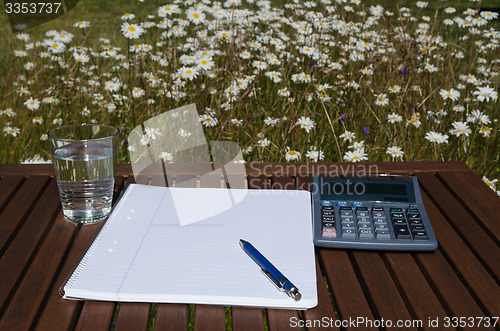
204	62
131	28
55	45
355	157
189	72
292	153
80	59
196	15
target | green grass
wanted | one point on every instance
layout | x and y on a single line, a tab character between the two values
482	154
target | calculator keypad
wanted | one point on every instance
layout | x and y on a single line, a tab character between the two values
357	221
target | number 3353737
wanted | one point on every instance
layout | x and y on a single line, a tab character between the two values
32	7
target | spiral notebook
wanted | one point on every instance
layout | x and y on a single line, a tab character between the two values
181	245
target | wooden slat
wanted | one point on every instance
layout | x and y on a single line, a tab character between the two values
16	258
247	319
448	285
324	309
171	317
7	186
381	288
463	260
13	215
420	296
258	182
132	316
304	182
268	169
209	318
58	314
345	288
477	196
464	224
95	316
25	303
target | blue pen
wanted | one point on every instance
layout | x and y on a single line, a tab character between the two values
273	274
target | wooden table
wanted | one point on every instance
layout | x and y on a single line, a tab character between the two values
461	279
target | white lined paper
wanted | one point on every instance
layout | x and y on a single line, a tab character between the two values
155	257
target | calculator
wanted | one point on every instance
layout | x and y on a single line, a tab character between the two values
373	212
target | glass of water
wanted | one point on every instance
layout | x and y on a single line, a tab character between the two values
84	158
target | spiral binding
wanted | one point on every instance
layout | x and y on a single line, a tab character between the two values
82	262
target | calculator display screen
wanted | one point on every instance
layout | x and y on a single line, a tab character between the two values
367	190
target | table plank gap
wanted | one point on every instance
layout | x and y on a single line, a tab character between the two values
414	288
479	241
473	274
476	197
382	292
40	275
347	293
15	262
16	211
59	313
447	285
8	189
325	308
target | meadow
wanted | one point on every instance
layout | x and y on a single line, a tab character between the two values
324	80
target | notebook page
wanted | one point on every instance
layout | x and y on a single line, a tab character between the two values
105	265
181	245
202	262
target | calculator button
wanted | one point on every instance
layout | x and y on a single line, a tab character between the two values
326	203
414	217
365	233
327	208
328	213
396	210
362	213
416	222
346	213
348	225
398	221
420	235
328	218
378	214
397	215
379	220
402	233
382	234
412	210
374	209
342	203
364	225
363	220
348	233
328	224
329	233
414	227
381	226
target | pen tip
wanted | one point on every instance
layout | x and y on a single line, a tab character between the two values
242	242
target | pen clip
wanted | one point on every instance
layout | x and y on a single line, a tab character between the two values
274	281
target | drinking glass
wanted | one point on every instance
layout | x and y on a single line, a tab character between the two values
84	158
